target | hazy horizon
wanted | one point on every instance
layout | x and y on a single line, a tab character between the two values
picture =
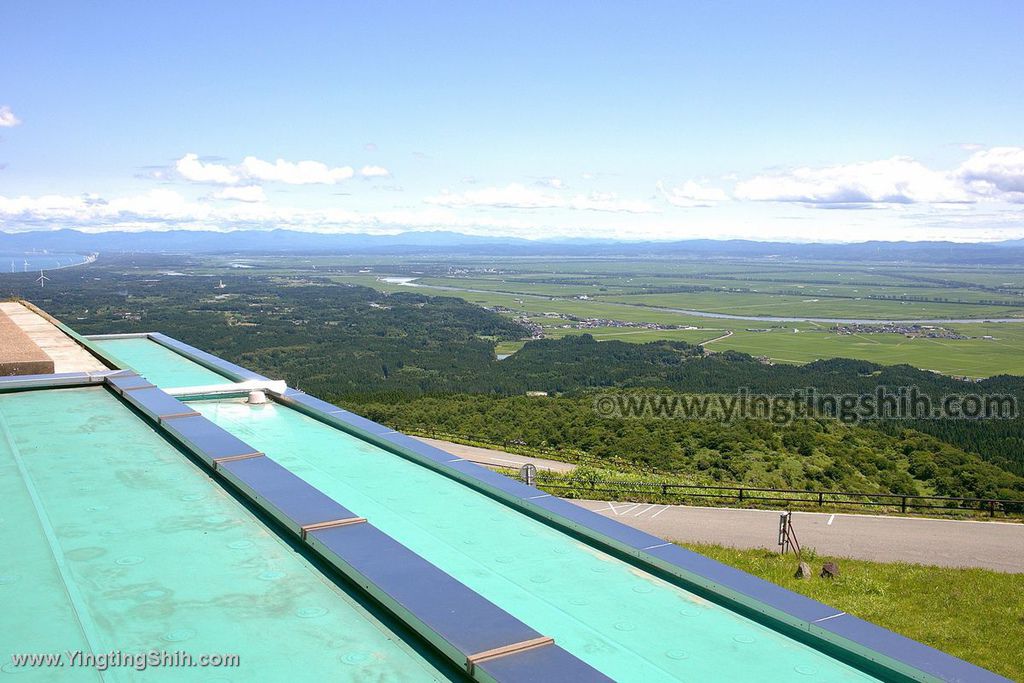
538	239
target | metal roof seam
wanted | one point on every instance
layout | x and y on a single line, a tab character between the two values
425	596
863	642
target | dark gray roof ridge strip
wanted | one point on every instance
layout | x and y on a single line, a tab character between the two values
868	645
484	640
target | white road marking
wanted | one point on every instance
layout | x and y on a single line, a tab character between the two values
627	511
829	523
646	509
659	512
611	508
510	462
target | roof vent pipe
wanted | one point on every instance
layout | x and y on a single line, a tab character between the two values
256	397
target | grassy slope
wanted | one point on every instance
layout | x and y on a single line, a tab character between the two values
974	614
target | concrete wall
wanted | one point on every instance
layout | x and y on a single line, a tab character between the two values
19	355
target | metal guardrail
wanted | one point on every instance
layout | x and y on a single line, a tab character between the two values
750	494
743	495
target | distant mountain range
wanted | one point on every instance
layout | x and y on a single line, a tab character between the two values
287	241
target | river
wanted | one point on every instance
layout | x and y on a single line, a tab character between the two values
408	282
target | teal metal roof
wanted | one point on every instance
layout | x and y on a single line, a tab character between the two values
115	541
331	546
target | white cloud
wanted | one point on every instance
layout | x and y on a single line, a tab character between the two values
514	196
45	206
374	172
553	183
997	172
691	194
166	209
899	180
246	193
608	201
191	168
966	202
158	205
295	173
518	196
7	118
253	169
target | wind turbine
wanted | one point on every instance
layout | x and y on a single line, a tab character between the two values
42	279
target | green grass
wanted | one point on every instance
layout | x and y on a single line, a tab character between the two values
639	335
974	614
624	481
551	297
507	347
969	357
525	287
762	304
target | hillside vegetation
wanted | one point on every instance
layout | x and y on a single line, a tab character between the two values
820	453
383	353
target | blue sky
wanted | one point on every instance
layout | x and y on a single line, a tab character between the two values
802	121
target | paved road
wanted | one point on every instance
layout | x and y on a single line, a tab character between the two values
487	456
943	542
948	543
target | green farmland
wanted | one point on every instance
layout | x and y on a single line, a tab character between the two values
629	294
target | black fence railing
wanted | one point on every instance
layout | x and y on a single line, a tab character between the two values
749	495
732	494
